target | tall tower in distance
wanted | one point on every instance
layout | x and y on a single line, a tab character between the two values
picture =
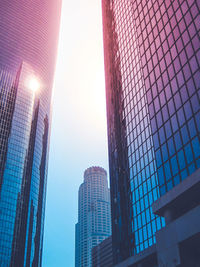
152	70
94	218
28	45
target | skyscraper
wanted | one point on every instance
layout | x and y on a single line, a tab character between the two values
28	43
94	219
152	52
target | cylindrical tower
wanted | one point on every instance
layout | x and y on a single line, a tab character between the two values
94	218
28	43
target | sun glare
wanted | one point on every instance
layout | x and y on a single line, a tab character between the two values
33	84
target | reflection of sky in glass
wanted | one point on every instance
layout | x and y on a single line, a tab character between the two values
19	171
172	91
28	48
160	98
143	177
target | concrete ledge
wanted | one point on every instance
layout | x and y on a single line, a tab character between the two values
138	257
176	233
183	228
181	198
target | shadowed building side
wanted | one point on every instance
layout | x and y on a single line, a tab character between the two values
102	254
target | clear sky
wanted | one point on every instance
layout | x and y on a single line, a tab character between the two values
78	135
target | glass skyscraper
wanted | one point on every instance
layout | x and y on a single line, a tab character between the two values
28	43
152	56
94	215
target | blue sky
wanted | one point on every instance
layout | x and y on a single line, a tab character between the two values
78	135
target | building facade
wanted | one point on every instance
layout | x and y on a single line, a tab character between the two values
94	218
102	254
152	52
28	44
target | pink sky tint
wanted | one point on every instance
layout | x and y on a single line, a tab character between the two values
78	138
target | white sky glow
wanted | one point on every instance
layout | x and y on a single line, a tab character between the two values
79	137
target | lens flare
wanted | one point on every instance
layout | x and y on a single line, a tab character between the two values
33	84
